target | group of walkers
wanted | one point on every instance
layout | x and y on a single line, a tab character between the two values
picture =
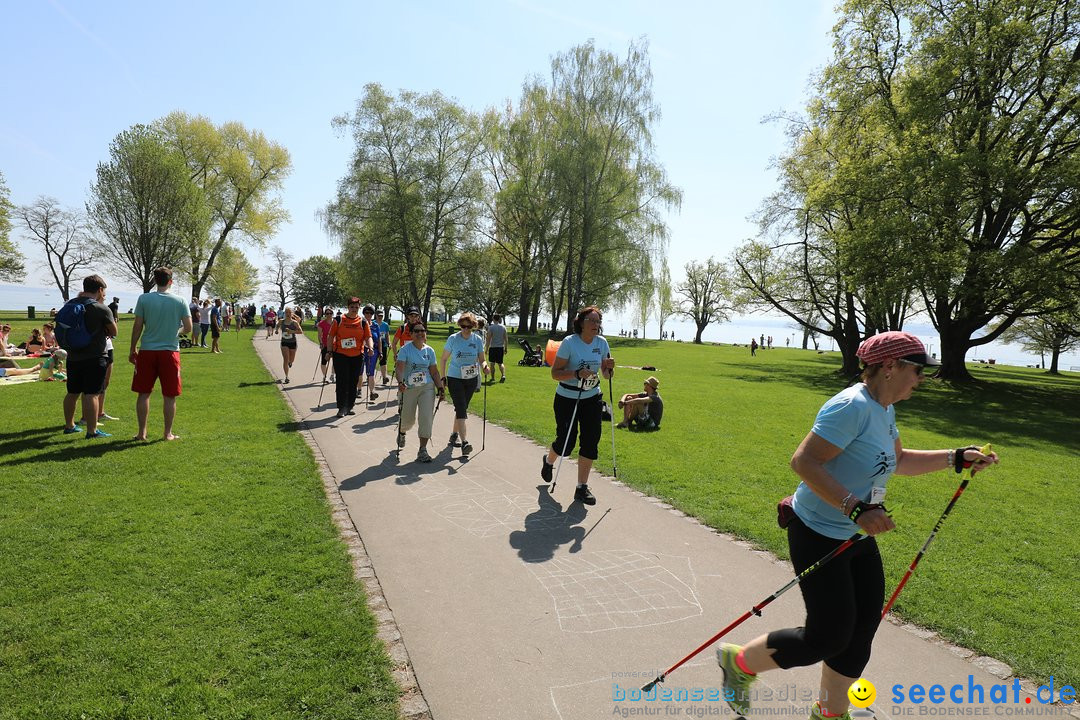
843	464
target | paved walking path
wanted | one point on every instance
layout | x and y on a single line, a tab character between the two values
516	603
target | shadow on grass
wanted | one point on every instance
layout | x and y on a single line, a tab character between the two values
257	384
1041	408
549	527
28	440
77	449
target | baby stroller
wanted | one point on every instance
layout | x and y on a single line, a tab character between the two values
533	358
184	342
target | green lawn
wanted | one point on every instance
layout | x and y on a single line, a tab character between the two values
195	579
203	578
1002	575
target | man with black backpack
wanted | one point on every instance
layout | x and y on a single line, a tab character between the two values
81	328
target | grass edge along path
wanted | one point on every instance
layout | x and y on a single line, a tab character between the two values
199	578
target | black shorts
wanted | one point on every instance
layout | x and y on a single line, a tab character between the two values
586	418
382	355
110	356
291	344
87	376
215	332
496	355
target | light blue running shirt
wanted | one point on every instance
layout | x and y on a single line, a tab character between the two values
463	354
417	363
580	355
866	431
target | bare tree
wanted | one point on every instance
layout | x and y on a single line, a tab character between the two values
279	275
705	294
62	234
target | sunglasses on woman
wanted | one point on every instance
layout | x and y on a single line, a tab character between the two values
918	366
465	326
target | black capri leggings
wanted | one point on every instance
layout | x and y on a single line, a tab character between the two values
461	392
588	420
347	370
843	604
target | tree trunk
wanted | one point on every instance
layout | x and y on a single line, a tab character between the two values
848	347
952	362
700	329
1055	354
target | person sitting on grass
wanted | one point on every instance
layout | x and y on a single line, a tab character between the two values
36	343
49	336
53	367
643	410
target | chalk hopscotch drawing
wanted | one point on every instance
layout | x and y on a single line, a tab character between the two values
611	589
485	505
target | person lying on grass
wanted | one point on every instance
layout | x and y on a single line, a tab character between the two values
15	372
643	410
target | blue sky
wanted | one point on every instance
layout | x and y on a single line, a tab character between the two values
78	73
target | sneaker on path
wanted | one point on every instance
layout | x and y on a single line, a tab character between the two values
584	495
816	714
545	469
453	439
736	682
332	378
422	455
466	449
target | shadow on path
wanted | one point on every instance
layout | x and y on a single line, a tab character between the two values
548	527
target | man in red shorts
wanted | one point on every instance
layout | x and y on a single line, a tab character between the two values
159	318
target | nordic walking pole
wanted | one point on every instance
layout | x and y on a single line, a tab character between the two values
985	450
756	610
611	394
483	442
569	429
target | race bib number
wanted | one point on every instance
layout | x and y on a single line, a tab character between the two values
468	372
590	382
417	378
287	336
877	496
349	343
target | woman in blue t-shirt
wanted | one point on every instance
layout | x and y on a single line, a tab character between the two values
418	380
844	463
580	361
465	351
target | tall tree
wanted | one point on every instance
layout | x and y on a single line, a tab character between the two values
234	278
279	276
705	294
414	184
1054	333
665	303
11	260
62	235
240	172
977	109
146	207
317	281
607	177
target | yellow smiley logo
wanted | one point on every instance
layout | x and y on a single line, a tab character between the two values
862	693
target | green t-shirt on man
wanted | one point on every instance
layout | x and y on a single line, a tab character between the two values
163	315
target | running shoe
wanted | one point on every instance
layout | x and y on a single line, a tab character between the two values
502	379
106	416
98	434
374	396
453	439
332	378
401	439
736	682
466	449
816	714
340	414
423	456
350	411
584	495
545	469
286	381
72	430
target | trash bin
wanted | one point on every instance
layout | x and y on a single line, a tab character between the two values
30	313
